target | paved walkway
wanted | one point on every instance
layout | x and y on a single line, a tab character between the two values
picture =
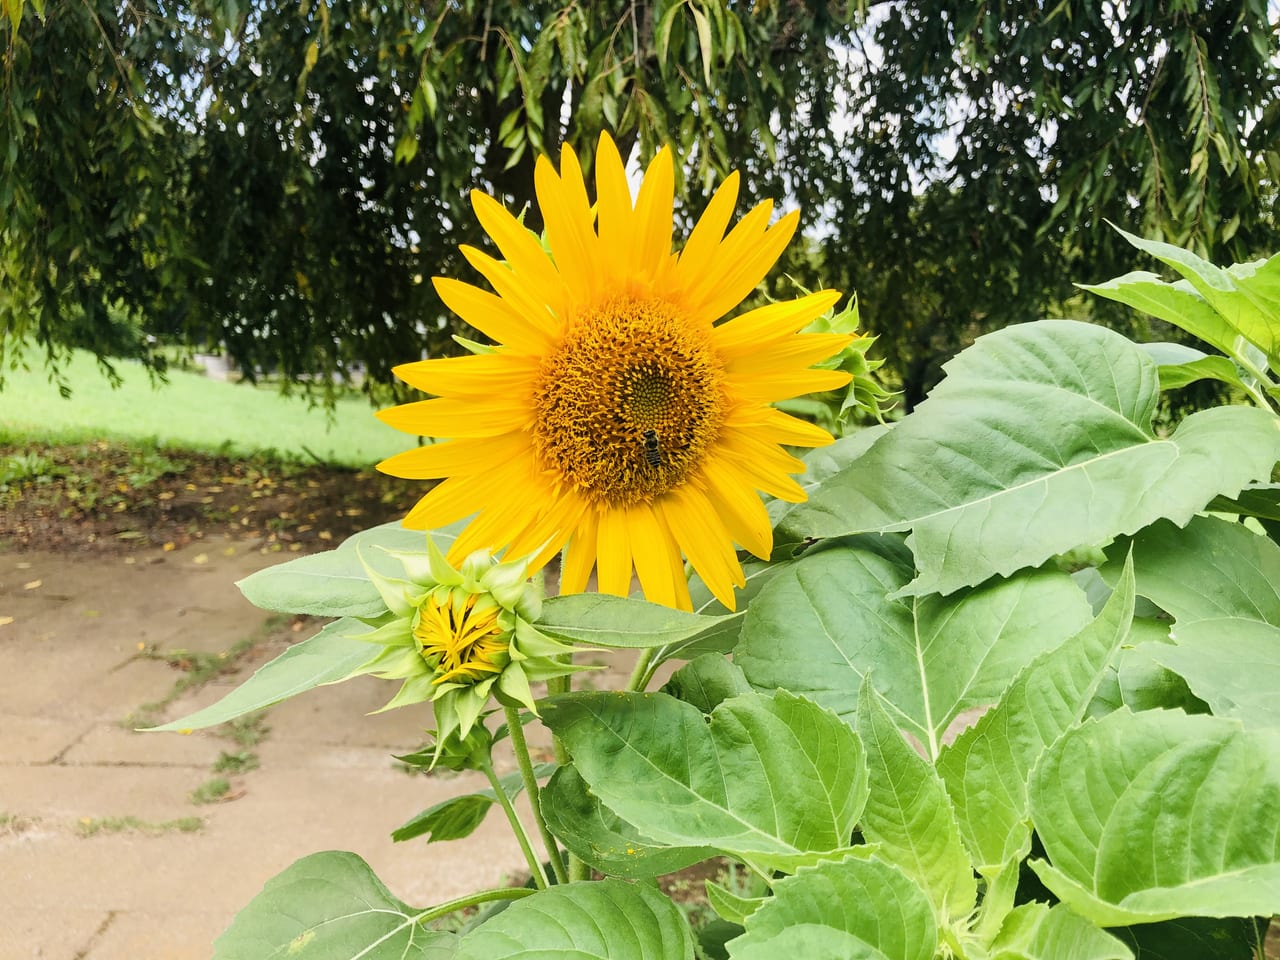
71	672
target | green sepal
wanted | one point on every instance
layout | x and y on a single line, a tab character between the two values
400	596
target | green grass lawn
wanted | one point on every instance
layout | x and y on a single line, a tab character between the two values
190	412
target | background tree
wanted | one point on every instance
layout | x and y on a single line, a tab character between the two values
285	181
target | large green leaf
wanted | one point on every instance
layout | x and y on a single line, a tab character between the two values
1179	365
1221	583
1176	303
721	638
602	620
329	906
1150	816
603	920
850	908
707	681
335	583
986	769
1036	931
909	816
1037	442
1246	296
328	657
1255	500
603	840
774	780
1211	569
820	625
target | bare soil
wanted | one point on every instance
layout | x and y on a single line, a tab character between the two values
111	498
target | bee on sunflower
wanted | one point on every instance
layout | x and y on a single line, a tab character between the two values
619	415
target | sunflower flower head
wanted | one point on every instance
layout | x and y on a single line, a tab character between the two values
619	414
459	636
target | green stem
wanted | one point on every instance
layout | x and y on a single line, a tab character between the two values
522	837
521	748
640	675
997	901
473	900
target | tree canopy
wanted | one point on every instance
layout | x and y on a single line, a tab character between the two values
285	180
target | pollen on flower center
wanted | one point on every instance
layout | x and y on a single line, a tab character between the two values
462	639
628	404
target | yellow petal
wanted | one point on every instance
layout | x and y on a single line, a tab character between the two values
748	333
747	260
652	557
518	295
651	241
447	417
457	457
453	499
492	316
613	553
792	356
580	558
570	234
779	427
741	509
481	375
522	251
613	204
704	541
765	466
709	231
772	386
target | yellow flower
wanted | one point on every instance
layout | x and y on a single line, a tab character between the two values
616	415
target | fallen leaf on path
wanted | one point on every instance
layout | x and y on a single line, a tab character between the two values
5	621
169	545
32	584
200	558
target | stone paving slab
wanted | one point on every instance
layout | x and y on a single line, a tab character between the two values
30	739
58	932
326	781
108	744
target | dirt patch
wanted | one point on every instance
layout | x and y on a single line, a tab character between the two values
112	498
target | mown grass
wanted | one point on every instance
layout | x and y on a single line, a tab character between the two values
190	412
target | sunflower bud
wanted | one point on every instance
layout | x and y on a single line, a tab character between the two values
458	636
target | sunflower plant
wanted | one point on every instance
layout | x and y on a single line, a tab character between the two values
994	681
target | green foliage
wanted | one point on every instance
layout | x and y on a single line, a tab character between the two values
286	179
310	905
1127	757
989	484
190	412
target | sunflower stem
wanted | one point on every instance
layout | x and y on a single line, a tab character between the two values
521	747
472	900
577	868
522	836
640	675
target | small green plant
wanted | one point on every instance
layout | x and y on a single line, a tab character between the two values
147	465
247	731
90	827
235	763
211	791
13	823
18	468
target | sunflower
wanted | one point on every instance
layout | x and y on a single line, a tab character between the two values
615	415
